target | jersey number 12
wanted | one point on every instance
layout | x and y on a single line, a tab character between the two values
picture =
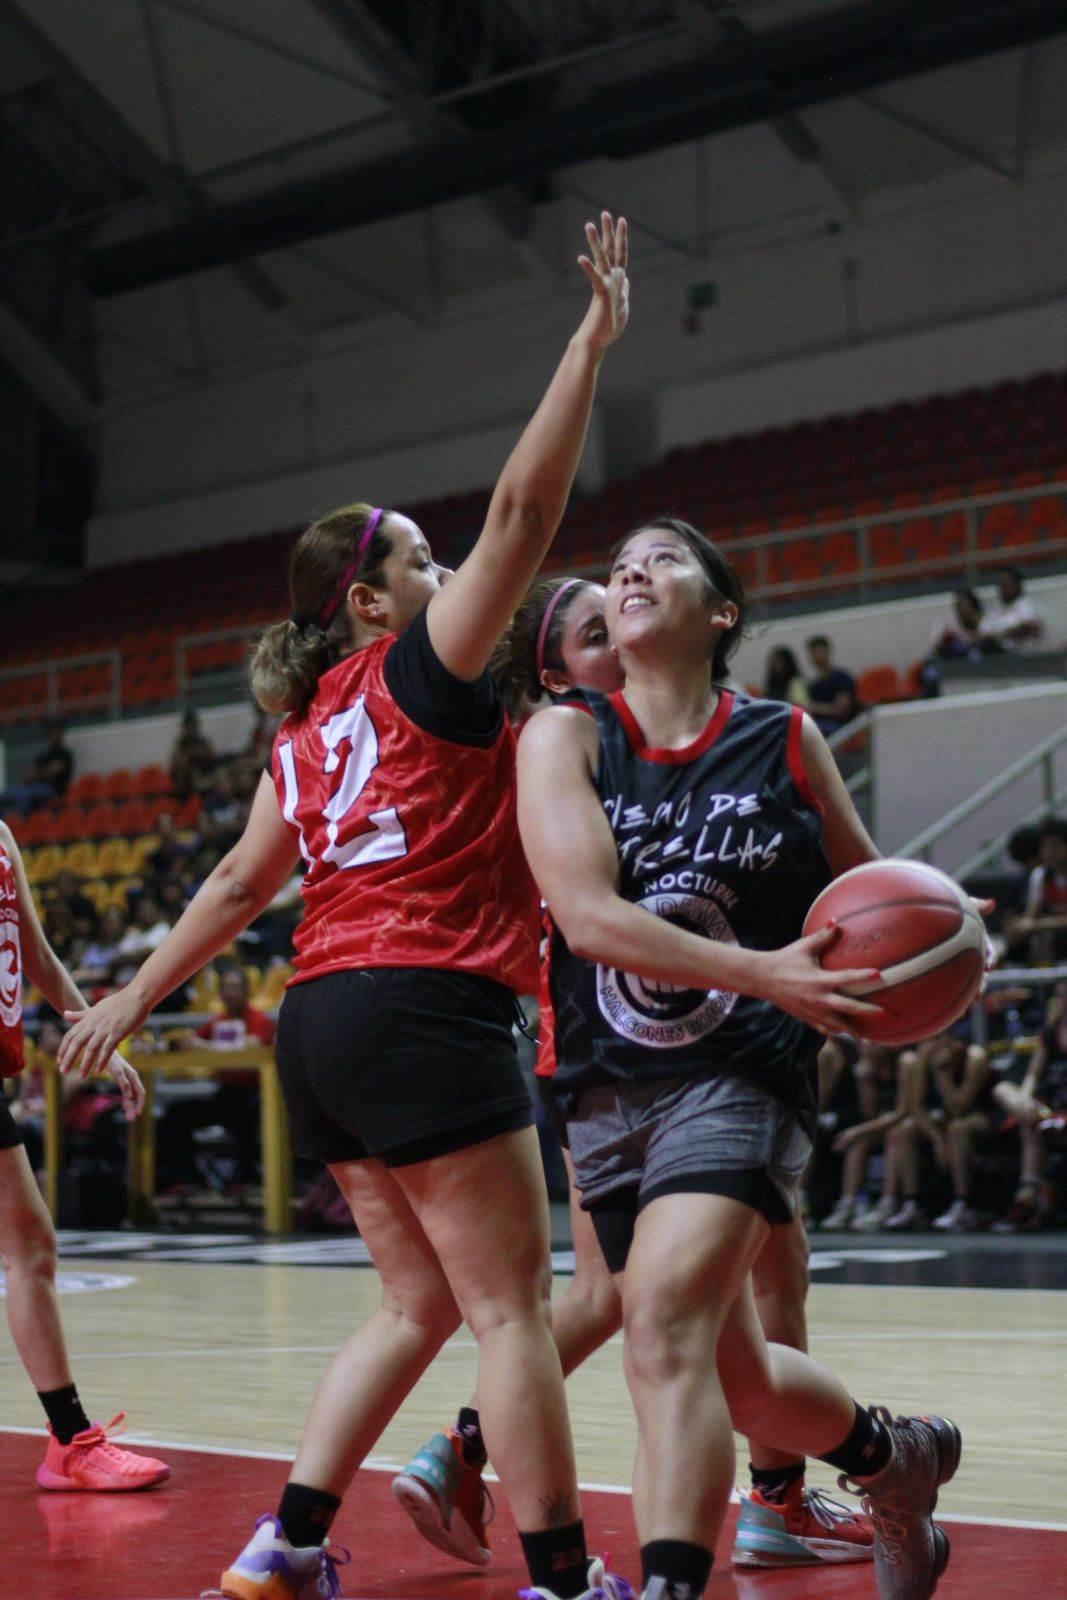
384	838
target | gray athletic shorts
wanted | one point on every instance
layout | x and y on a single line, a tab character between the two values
632	1142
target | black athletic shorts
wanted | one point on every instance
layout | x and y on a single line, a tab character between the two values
547	1096
10	1134
401	1063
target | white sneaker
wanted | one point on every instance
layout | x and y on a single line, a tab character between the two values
603	1585
840	1217
911	1218
875	1218
959	1218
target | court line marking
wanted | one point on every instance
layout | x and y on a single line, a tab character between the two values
958	1335
372	1465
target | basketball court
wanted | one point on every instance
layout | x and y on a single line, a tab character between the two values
213	1344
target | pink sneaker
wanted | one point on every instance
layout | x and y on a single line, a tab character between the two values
91	1461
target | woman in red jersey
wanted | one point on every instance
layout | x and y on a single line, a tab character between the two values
559	642
80	1454
393	774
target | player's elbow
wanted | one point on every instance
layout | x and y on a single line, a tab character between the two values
583	925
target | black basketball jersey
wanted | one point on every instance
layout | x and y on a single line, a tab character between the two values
723	838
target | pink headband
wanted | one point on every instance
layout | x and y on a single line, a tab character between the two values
326	615
546	622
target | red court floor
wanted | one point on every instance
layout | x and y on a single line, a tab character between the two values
170	1543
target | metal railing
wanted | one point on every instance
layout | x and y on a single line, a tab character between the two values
1042	755
869	575
53	701
190	642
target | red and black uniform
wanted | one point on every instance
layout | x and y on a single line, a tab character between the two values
12	1055
420	921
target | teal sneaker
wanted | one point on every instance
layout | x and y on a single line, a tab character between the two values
447	1499
806	1529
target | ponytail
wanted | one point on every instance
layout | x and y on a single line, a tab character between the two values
290	657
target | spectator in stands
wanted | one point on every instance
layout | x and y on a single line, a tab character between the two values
1044	918
891	1087
1013	622
783	679
1039	1104
960	632
831	690
959	1114
221	818
146	933
240	1022
83	914
173	850
100	954
193	759
48	777
839	1108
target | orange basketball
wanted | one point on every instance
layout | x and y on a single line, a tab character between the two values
920	930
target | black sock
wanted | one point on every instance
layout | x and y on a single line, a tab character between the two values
305	1514
866	1450
557	1560
65	1412
674	1570
772	1482
469	1428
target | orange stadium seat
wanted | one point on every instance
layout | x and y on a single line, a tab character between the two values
878	685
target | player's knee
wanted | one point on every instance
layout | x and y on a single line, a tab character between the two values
661	1342
512	1298
30	1244
600	1301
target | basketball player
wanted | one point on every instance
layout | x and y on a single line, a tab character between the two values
681	833
80	1453
394	772
559	641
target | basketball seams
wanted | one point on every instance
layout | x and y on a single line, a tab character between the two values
891	905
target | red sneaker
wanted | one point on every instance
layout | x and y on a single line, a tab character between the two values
91	1461
804	1529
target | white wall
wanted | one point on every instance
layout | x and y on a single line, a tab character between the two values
947	290
147	741
932	754
885	631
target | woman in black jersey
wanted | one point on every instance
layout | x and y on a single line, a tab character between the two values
558	642
679	833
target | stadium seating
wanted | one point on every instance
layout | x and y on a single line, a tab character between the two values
910	457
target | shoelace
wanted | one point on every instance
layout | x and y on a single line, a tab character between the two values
612	1588
825	1510
100	1435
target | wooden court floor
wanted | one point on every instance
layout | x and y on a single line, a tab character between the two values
224	1358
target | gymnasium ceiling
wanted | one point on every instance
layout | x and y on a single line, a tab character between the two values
238	179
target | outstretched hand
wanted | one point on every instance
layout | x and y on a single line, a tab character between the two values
95	1035
605	267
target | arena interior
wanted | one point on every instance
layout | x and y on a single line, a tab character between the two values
262	258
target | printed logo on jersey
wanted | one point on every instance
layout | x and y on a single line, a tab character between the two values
10	951
661	1015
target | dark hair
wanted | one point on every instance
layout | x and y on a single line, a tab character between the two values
514	661
1012	572
291	656
722	579
1054	828
1024	844
971	598
816	640
778	678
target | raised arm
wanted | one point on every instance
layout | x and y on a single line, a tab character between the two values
467	617
571	851
241	886
44	968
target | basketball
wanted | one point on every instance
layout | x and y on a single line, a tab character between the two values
920	930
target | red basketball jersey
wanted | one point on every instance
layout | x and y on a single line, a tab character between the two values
12	1057
412	841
